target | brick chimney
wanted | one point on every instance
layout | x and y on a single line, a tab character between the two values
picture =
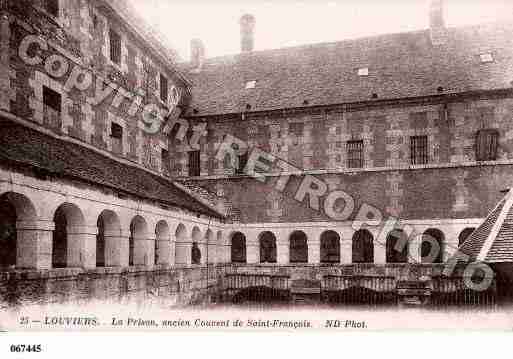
197	54
247	29
437	26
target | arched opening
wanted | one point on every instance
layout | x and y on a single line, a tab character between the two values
363	247
397	247
67	218
330	247
162	243
106	240
432	247
238	248
13	207
298	251
181	255
267	242
137	253
464	235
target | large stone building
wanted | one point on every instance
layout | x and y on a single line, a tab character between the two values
416	125
355	158
85	189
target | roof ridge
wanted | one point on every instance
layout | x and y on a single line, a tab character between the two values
209	60
487	245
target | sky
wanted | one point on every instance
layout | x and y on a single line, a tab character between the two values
286	23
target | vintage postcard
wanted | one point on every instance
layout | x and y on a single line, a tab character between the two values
224	166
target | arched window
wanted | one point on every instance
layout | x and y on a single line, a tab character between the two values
100	243
464	235
298	251
363	247
14	207
7	234
432	247
267	247
138	252
330	247
107	243
68	217
238	248
195	253
397	247
162	243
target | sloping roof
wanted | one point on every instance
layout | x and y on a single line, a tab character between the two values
492	241
22	145
400	66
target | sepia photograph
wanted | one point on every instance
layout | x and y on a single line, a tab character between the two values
255	166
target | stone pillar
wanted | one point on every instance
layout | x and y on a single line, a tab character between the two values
183	247
212	251
81	246
314	251
414	249
380	252
164	250
252	251
116	248
282	248
346	251
143	256
203	248
34	244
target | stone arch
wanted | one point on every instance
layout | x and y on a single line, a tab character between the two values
433	246
181	245
14	207
298	247
66	247
181	232
162	242
196	234
137	243
107	243
238	247
330	247
267	245
196	249
397	247
464	235
363	247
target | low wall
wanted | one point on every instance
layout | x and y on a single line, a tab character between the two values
140	285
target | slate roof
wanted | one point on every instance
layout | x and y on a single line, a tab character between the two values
400	65
492	241
25	146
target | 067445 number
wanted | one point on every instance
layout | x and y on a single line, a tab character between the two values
22	348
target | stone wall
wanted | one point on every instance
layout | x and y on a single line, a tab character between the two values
164	286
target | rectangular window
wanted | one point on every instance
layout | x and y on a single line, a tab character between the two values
194	163
486	145
52	108
115	46
52	99
52	7
242	161
163	88
116	136
355	154
419	150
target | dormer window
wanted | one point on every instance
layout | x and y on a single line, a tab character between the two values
363	71
486	57
250	84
